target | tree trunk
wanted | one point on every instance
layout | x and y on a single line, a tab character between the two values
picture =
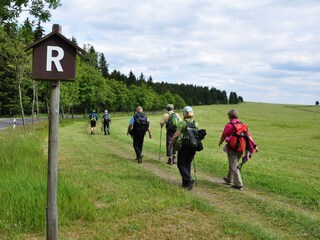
21	105
19	72
62	113
33	99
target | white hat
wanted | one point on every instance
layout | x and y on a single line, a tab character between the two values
187	109
105	111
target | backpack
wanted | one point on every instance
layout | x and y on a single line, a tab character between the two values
171	124
190	138
141	123
106	118
92	117
239	139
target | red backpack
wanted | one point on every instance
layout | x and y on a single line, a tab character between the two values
239	139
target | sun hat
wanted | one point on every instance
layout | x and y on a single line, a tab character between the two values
187	109
170	107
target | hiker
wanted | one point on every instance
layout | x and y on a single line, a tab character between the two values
170	119
234	154
138	126
105	122
185	153
93	118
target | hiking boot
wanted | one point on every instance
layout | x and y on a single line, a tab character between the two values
174	160
190	185
184	184
140	159
239	188
226	180
169	161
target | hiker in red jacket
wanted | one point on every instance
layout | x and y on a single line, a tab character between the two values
235	153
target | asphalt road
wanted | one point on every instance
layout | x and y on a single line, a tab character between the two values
8	122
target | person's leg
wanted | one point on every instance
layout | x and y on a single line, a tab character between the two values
104	129
136	146
234	173
185	157
169	151
108	128
173	153
141	146
92	127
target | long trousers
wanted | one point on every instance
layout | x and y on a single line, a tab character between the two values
138	144
234	173
185	157
169	135
106	128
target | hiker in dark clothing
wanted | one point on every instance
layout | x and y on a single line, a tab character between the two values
138	126
185	154
93	118
106	121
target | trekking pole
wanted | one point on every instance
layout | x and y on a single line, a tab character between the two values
195	172
160	142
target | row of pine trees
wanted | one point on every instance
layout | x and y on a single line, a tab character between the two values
96	87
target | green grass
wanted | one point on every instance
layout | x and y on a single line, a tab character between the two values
104	194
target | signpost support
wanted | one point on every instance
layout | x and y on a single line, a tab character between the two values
54	59
52	211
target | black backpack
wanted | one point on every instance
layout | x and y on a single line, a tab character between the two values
106	118
190	139
141	123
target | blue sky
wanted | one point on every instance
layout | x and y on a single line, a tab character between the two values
264	50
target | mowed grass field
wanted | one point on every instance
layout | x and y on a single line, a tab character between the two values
104	194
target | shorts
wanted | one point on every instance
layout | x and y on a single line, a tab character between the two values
93	123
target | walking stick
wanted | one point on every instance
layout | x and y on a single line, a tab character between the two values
160	142
195	172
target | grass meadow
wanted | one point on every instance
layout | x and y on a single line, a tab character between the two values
104	194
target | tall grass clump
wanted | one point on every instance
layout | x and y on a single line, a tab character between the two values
23	183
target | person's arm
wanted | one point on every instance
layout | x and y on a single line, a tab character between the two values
180	128
164	119
252	145
150	133
226	132
129	128
174	139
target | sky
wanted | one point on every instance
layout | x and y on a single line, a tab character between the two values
264	50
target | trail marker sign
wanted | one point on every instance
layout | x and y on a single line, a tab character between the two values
54	57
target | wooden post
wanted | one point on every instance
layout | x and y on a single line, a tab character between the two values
54	59
52	210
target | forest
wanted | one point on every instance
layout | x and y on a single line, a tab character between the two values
96	86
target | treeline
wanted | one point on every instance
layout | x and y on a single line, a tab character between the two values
95	87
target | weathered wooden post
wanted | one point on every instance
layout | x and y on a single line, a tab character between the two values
54	59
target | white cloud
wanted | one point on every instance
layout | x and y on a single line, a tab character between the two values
264	50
